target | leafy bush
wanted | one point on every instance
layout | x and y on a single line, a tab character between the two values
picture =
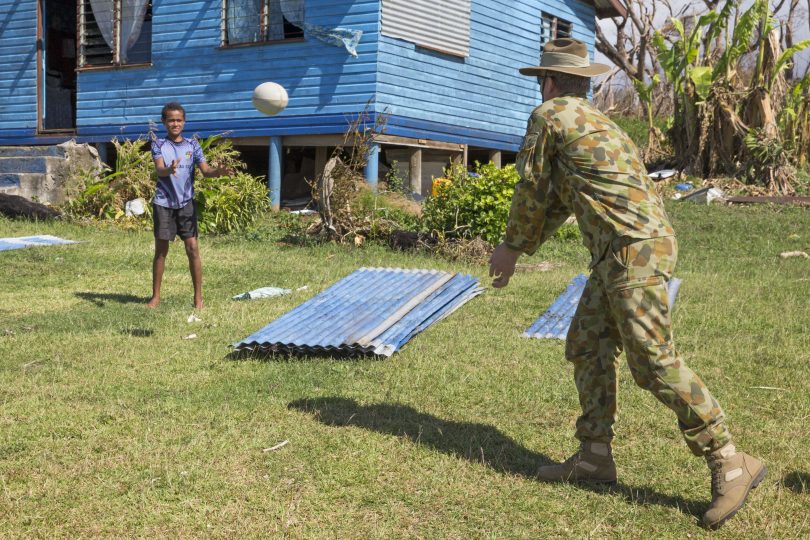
225	204
466	205
104	197
229	203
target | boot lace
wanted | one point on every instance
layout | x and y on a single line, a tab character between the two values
716	467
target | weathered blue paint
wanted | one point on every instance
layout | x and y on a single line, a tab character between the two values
274	173
372	170
478	100
18	66
484	91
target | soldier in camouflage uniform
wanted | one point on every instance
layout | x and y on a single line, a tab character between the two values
576	160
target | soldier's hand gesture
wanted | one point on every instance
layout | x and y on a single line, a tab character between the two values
502	265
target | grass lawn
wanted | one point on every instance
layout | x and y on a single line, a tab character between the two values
113	425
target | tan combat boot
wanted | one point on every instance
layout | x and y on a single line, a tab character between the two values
734	475
592	464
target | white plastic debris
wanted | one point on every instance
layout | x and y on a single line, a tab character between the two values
282	444
191	336
193	318
790	254
304	212
707	195
663	174
263	292
135	207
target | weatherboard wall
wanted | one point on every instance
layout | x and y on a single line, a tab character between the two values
215	84
481	95
478	99
18	60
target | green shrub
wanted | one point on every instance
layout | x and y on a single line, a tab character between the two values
229	203
225	204
466	205
104	197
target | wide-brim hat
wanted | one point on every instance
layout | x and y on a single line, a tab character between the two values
566	55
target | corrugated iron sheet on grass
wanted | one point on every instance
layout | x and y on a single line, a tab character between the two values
370	311
554	323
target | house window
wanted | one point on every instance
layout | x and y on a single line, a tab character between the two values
553	27
257	21
114	32
442	26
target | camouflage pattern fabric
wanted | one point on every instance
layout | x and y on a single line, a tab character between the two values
575	159
625	306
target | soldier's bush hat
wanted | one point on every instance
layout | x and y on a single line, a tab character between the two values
566	55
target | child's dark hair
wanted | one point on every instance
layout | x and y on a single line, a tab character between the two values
171	106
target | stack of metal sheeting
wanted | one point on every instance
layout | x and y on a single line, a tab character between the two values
28	241
370	311
554	323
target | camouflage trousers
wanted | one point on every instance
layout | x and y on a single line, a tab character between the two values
625	306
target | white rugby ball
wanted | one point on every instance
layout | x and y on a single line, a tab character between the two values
270	98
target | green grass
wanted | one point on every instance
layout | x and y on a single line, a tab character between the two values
113	425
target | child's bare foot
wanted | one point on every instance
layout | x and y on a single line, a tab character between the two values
153	302
198	303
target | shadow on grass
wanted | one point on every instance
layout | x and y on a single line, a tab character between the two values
287	356
99	299
478	443
138	332
797	481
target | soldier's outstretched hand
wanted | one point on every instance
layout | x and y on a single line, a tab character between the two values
502	265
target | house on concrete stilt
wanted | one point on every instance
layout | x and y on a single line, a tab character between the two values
442	72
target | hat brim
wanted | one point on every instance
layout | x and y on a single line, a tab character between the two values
591	71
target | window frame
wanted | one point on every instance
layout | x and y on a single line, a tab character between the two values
264	26
82	7
554	23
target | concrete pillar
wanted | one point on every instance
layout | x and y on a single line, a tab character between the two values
495	157
415	171
274	173
373	165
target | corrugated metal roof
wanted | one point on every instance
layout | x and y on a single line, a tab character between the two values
370	311
554	323
28	241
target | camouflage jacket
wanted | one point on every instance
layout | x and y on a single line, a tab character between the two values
574	159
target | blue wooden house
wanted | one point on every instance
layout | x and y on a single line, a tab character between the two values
443	72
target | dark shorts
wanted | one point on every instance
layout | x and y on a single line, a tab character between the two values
171	222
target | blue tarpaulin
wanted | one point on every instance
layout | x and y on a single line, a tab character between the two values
28	241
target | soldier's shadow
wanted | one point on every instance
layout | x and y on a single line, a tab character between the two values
479	443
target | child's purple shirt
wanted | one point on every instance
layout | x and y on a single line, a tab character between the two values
177	190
